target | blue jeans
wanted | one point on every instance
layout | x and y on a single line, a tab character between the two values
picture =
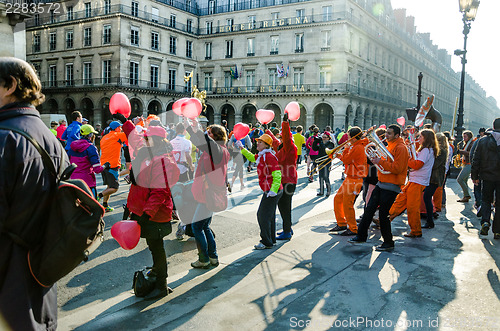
205	240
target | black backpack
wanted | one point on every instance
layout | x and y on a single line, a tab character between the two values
74	226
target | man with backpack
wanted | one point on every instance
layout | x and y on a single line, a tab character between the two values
24	304
486	167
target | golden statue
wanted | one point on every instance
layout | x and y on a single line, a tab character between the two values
195	93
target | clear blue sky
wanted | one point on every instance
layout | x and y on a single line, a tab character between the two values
443	20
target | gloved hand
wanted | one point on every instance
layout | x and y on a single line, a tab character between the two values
106	165
271	194
120	117
285	117
143	218
238	144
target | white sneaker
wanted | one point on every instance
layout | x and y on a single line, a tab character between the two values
181	229
260	246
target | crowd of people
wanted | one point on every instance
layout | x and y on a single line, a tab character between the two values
395	169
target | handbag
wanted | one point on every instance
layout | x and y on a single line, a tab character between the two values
144	282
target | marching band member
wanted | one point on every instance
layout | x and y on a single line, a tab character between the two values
320	145
286	152
387	189
464	148
451	149
436	181
313	155
269	173
420	174
356	168
371	180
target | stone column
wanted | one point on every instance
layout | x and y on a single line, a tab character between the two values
237	117
163	117
217	117
339	121
309	120
98	117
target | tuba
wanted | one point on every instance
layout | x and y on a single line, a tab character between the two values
427	111
376	149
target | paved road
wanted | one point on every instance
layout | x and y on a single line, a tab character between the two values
449	279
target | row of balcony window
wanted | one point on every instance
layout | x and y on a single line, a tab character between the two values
279	88
171	22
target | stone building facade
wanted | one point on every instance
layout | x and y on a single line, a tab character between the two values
347	62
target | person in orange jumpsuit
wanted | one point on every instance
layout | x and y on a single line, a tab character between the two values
386	190
356	168
420	174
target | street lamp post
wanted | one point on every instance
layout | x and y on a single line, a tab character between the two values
469	10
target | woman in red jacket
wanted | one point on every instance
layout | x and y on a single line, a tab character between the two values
210	178
153	172
286	152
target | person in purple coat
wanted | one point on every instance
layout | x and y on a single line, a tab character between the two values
84	154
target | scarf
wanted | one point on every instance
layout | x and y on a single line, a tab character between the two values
263	154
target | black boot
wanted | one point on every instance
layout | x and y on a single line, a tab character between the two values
161	290
428	225
328	190
321	188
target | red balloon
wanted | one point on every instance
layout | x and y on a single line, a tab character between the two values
127	233
191	108
264	115
240	130
383	126
119	103
293	111
401	121
176	107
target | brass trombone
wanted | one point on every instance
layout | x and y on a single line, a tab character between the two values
331	154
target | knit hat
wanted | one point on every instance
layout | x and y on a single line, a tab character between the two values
156	131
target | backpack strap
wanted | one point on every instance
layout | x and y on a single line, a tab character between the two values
210	153
47	161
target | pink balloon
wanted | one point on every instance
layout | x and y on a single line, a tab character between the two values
401	121
176	107
191	108
240	130
127	233
383	126
119	103
293	111
264	115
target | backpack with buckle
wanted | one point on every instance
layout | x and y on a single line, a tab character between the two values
74	226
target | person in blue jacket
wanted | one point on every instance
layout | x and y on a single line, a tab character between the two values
72	132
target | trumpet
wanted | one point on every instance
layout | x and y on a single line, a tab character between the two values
376	149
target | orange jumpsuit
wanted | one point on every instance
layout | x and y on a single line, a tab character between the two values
356	168
410	199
